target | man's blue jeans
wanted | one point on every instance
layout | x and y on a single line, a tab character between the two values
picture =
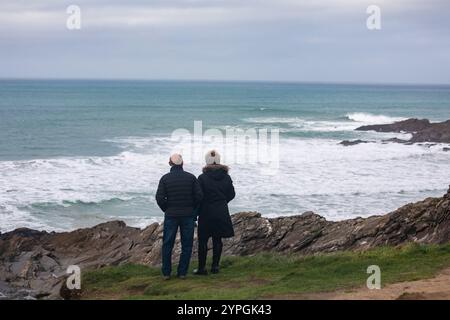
171	225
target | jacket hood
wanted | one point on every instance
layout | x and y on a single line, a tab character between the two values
216	171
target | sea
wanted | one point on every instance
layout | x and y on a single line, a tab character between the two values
75	153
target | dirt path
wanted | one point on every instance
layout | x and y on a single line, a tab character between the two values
437	288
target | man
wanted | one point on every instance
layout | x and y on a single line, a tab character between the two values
178	194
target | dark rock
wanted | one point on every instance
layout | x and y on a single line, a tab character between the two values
421	130
347	143
397	140
409	125
437	132
445	149
33	264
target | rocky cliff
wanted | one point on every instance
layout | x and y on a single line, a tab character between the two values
33	263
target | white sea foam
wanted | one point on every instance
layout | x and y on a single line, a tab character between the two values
368	118
315	174
323	126
274	120
351	122
295	124
12	217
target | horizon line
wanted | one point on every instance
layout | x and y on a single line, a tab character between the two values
375	83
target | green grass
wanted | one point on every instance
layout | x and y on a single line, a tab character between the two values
269	275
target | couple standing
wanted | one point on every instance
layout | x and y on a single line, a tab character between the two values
183	197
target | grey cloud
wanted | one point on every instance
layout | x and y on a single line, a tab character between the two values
217	39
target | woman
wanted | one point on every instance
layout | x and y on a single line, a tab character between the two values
214	218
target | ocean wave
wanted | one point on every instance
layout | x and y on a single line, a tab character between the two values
369	118
295	124
78	203
274	120
63	193
12	217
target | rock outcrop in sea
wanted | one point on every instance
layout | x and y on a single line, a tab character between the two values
33	263
422	130
347	143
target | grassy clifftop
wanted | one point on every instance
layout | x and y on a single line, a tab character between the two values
270	275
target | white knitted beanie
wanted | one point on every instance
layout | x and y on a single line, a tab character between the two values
212	157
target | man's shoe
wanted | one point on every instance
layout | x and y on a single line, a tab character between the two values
166	277
214	270
200	272
183	277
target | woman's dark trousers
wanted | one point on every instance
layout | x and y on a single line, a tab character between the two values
203	252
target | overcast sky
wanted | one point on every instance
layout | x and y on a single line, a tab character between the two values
281	40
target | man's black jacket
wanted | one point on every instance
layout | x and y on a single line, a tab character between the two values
178	193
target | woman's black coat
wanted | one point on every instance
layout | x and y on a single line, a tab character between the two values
214	217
